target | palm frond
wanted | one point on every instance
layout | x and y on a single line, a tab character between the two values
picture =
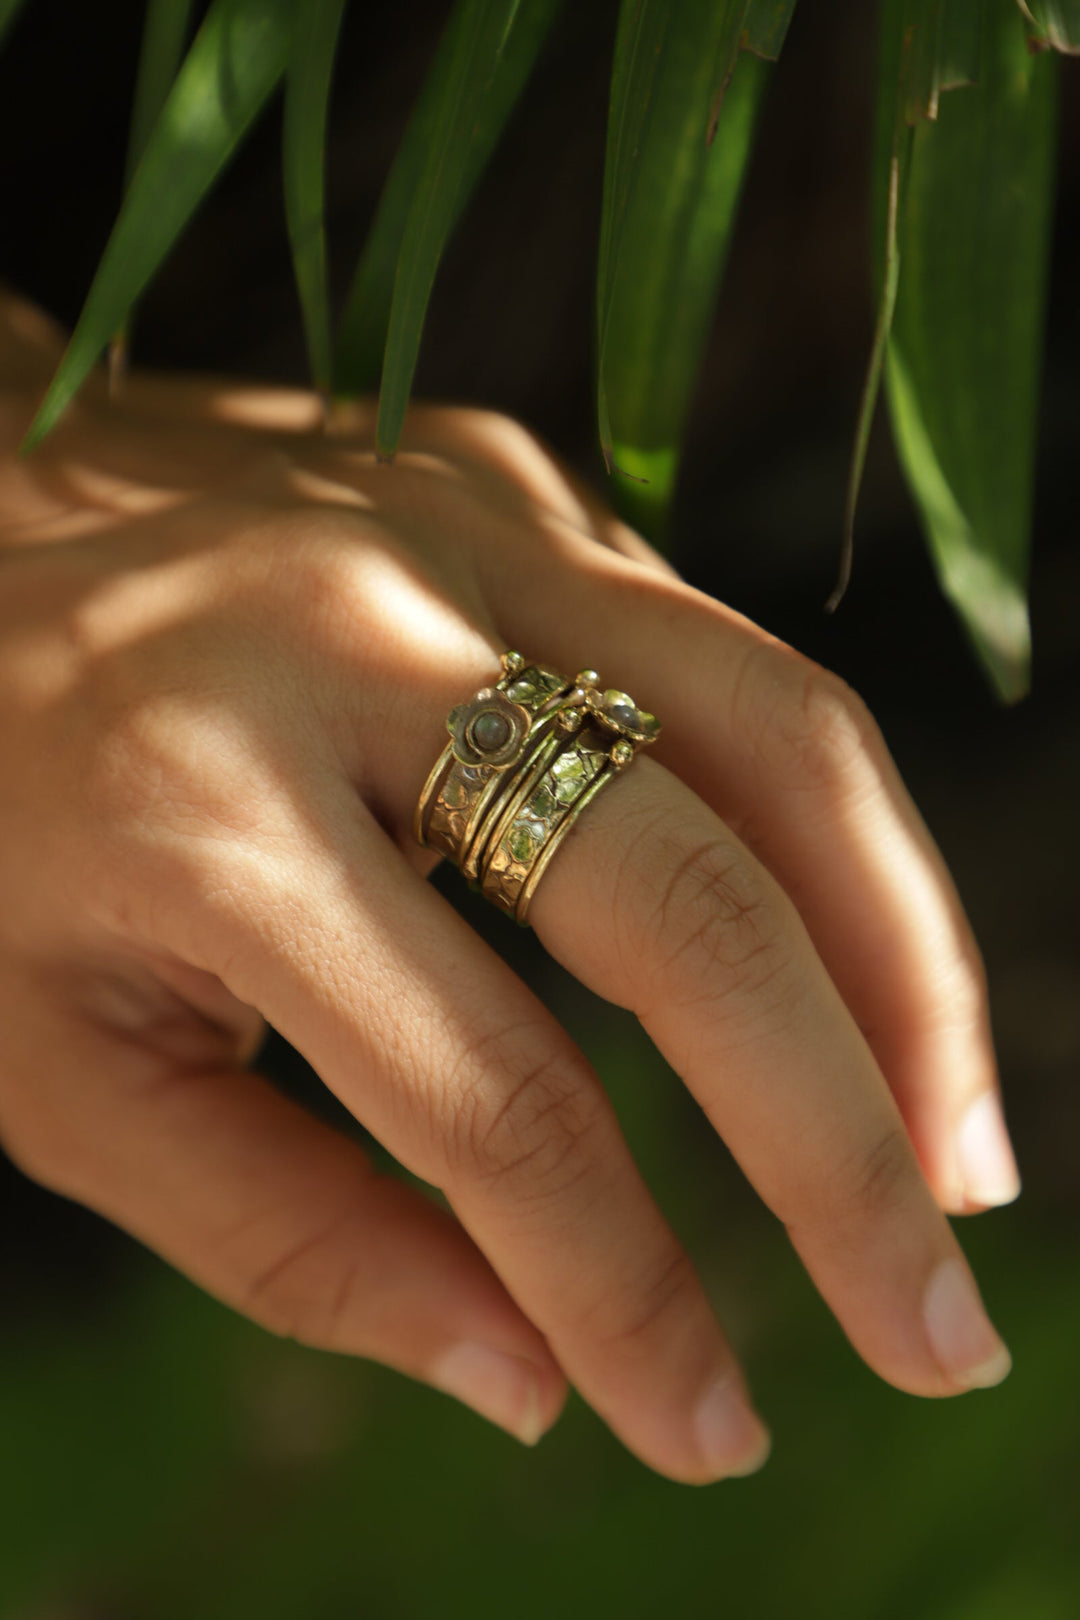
307	99
235	61
482	65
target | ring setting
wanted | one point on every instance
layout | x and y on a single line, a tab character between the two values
525	757
488	730
618	712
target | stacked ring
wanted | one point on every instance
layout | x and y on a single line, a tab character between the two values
525	758
497	729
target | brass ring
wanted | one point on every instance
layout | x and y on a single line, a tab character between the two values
525	759
491	733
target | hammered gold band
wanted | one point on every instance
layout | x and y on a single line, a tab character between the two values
525	757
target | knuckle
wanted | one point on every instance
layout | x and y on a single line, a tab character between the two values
320	572
528	1116
497	430
807	725
716	928
874	1177
668	1292
306	1291
336	570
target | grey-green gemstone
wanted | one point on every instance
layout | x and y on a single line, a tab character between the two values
455	794
521	842
489	731
522	691
622	708
543	802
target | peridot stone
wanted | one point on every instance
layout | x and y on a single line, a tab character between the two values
570	776
521	841
543	802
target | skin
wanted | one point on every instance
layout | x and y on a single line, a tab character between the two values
228	644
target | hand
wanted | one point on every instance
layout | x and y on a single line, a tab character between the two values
228	644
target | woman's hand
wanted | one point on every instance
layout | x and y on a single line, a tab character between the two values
228	644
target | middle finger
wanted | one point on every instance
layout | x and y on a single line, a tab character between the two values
656	905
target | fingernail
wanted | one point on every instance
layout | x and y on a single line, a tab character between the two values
967	1347
733	1440
984	1154
502	1388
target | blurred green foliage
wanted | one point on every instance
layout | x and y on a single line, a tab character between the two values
963	270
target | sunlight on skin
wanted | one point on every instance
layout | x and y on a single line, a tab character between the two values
283	410
115	496
317	486
259	676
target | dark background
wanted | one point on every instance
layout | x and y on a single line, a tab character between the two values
159	1457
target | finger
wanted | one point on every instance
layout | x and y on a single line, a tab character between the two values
436	1046
656	905
514	461
268	1209
792	761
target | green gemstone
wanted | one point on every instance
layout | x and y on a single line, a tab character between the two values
570	777
543	802
521	841
522	691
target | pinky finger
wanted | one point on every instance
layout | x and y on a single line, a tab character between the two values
276	1214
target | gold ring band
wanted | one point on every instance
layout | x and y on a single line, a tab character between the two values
466	777
525	758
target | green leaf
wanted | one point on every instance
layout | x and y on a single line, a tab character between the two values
9	9
235	61
888	277
1054	23
959	52
673	245
671	67
964	357
307	97
944	43
766	26
480	69
905	52
164	34
165	31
